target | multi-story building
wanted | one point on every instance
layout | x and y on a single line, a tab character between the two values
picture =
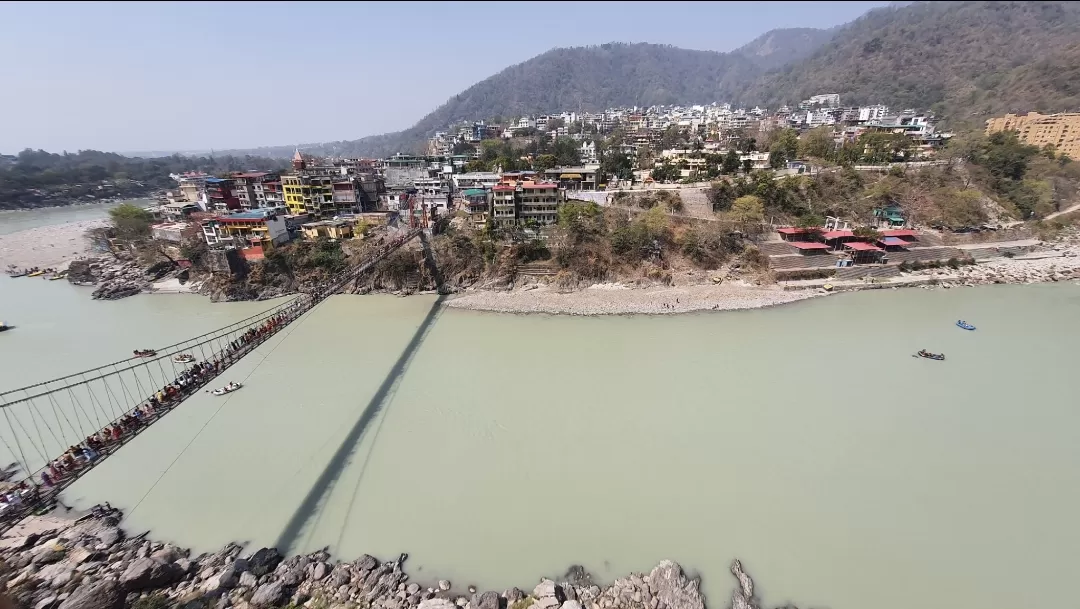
1062	131
504	205
219	195
873	113
539	202
322	196
257	228
477	203
463	181
192	186
248	188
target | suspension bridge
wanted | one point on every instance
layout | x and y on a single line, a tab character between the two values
59	430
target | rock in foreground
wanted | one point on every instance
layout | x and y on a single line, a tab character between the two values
91	565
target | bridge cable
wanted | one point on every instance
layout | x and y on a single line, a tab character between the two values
123	388
29	439
56	416
97	402
22	455
47	426
288	332
78	402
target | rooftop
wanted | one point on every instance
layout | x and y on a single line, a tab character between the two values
860	246
809	246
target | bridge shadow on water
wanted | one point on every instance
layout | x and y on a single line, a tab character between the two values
310	508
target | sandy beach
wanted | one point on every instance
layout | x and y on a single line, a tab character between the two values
46	246
616	299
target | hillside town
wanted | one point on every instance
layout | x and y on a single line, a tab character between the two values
517	172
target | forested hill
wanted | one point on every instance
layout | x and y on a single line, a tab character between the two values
35	178
590	79
964	60
778	48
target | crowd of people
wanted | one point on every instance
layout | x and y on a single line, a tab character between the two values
65	469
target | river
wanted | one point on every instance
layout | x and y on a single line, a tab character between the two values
12	221
801	439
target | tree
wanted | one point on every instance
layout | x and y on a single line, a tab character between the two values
476	165
817	143
786	141
545	162
617	164
867	233
721	195
747	209
731	162
131	221
777	158
747	165
671	137
567	151
645	158
665	172
555	123
463	148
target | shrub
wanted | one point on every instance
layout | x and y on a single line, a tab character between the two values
1009	255
905	267
953	263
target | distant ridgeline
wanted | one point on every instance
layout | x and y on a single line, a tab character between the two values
35	178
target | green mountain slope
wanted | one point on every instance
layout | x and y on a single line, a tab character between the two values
953	57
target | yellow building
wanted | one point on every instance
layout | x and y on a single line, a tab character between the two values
331	229
303	194
1062	131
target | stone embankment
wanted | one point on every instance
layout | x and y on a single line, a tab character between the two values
91	564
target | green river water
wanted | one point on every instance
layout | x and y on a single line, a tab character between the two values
802	439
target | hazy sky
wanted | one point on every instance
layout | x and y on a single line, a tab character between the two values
130	76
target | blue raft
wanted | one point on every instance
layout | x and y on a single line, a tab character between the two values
965	325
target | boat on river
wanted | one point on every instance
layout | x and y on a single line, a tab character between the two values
231	387
183	358
4	327
927	355
36	274
144	353
58	276
965	325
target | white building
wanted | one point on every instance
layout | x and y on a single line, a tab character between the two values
873	113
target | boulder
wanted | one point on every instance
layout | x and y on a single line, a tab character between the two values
248	580
264	561
225	579
319	571
436	603
513	595
149	573
365	563
99	594
571	605
47	554
485	600
268	595
444	585
672	589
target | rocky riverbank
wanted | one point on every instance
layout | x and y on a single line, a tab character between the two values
121	276
617	299
1058	261
57	563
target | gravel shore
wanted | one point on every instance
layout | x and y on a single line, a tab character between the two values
47	246
617	299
